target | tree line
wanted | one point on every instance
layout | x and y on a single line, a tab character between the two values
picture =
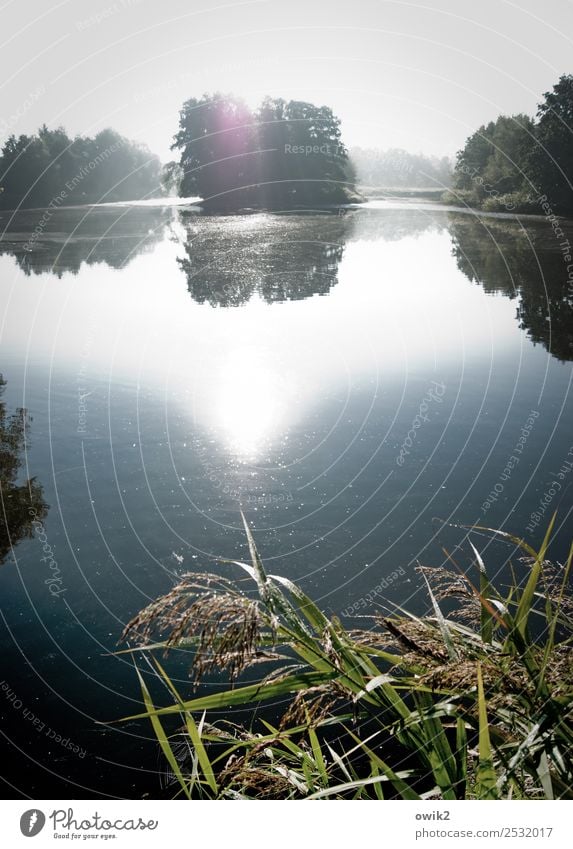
283	154
49	168
287	154
512	162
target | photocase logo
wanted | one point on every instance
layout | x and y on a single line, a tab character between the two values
32	822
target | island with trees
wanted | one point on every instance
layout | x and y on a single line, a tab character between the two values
283	155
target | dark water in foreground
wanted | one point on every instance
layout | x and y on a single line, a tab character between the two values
353	381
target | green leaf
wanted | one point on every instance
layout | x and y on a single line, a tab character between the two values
161	736
545	776
549	645
433	743
388	774
526	600
243	695
340	763
485	589
318	757
486	781
378	786
338	789
258	567
461	757
203	757
516	540
309	609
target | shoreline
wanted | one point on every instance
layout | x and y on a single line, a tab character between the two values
390	200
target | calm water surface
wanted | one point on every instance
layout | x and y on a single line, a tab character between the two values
352	381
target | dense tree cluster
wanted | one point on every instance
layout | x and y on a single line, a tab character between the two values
51	169
396	168
551	160
511	162
284	154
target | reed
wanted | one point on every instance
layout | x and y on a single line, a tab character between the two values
476	703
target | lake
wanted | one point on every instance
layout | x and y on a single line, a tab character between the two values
361	383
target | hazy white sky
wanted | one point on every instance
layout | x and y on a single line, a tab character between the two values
419	75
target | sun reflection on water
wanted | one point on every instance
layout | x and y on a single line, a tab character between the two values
251	402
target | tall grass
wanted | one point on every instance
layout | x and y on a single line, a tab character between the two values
473	703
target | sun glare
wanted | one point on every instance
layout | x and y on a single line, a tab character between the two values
250	405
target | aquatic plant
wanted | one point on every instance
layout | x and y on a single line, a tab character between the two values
473	704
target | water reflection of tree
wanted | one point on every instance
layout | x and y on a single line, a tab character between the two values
16	501
524	263
228	260
60	240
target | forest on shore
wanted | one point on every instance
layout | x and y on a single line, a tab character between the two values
517	162
288	154
50	169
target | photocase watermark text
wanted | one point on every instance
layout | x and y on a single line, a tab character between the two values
434	395
55	581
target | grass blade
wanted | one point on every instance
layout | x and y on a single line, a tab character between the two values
526	600
461	757
486	782
243	695
485	589
161	736
203	757
442	624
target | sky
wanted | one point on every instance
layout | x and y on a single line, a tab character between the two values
417	75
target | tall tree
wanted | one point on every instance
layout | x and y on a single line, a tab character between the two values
551	159
216	140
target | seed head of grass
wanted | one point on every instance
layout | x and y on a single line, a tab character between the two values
226	624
